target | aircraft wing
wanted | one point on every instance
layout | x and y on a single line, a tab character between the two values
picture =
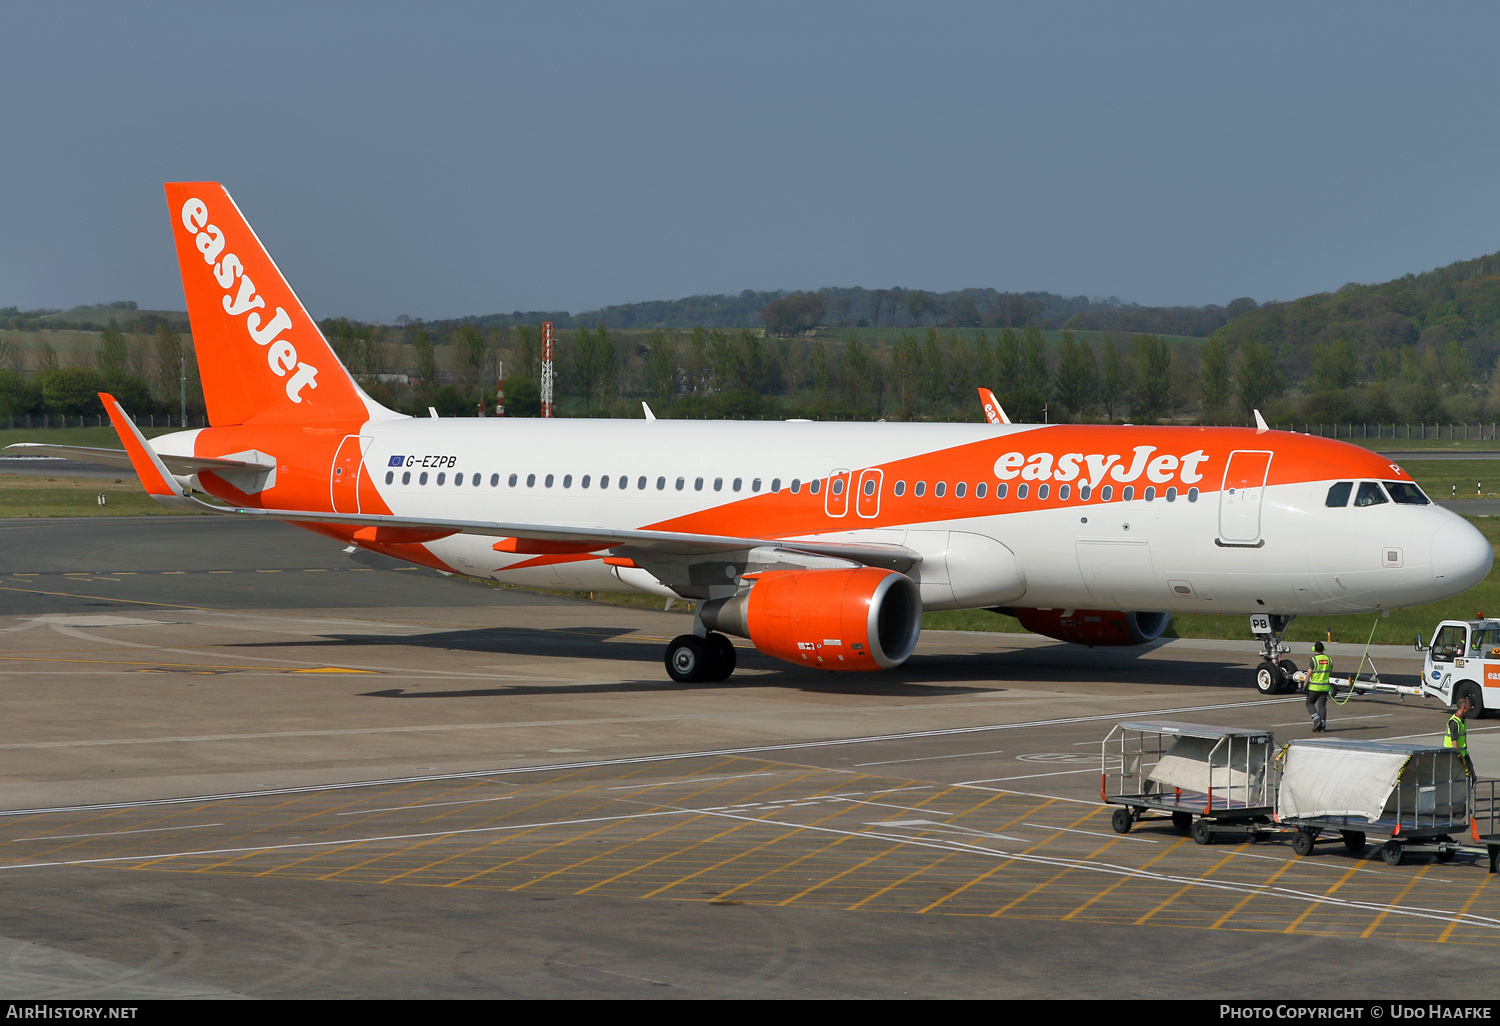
516	537
182	465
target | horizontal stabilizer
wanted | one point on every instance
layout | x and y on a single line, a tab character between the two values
180	465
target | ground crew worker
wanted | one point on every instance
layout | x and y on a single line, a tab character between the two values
1318	687
1457	736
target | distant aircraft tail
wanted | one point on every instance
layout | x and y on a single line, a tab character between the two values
260	355
992	409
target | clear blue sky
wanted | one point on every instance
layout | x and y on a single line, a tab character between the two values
446	159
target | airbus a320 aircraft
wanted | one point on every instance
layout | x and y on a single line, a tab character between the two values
820	542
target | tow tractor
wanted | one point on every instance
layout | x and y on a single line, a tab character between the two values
1462	661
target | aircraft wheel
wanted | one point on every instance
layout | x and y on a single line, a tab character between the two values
721	657
1121	820
688	659
1268	678
1287	668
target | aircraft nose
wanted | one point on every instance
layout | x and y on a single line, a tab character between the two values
1461	556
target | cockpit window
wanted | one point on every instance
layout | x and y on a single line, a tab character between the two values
1406	493
1338	495
1369	494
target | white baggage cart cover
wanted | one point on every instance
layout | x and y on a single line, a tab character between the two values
1341	778
1199	758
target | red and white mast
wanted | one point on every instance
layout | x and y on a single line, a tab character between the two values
546	368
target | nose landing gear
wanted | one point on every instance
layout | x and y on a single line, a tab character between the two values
1274	675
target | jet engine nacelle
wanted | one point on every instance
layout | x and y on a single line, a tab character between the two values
1093	626
863	618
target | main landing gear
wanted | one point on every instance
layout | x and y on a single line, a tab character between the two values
693	660
1274	675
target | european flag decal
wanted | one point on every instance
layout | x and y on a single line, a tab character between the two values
396	461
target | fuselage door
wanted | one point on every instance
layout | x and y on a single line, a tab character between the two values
836	499
343	485
1240	497
867	493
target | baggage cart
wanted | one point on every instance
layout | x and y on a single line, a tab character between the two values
1484	824
1207	780
1416	797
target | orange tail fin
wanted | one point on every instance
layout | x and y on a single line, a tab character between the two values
992	409
260	355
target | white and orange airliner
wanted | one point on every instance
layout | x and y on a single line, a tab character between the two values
820	542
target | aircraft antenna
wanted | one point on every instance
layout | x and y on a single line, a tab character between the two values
546	368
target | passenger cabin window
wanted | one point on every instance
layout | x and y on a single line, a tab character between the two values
959	490
796	486
815	486
1063	491
495	480
1406	493
900	488
441	477
547	481
1084	491
775	484
406	477
1338	495
697	485
390	475
1042	490
1022	490
1129	495
940	489
919	489
1106	493
423	478
584	483
1192	495
1002	490
980	490
1369	494
682	480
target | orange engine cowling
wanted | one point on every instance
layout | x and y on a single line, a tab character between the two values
1093	626
857	619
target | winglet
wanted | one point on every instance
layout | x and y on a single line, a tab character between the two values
649	414
159	482
993	412
1260	423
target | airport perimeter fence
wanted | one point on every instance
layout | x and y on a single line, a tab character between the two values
1456	432
31	421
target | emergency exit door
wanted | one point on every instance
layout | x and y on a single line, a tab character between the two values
1240	497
